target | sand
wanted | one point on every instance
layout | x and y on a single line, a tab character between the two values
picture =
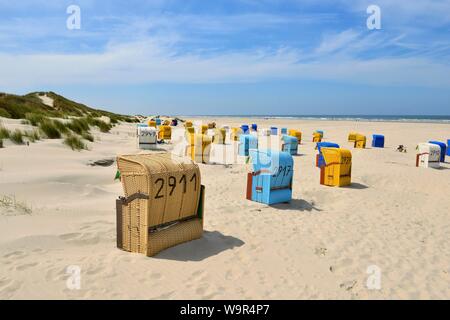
46	100
395	218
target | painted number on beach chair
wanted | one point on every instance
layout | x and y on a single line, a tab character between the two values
183	179
285	170
194	178
158	195
346	160
172	182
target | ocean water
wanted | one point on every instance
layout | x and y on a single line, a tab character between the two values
374	118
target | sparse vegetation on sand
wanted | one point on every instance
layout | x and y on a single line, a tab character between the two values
87	136
17	107
34	119
16	136
4	133
61	126
50	130
102	125
79	118
4	113
75	143
33	136
79	125
11	203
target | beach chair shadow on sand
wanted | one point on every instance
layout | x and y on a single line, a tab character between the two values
356	185
296	204
210	244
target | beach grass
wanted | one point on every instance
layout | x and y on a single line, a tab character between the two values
75	143
87	136
79	126
34	118
62	127
17	107
4	133
102	125
13	203
33	136
50	130
16	136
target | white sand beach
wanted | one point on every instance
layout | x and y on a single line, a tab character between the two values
394	216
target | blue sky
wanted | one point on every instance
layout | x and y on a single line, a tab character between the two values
232	56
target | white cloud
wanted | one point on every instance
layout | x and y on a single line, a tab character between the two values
399	12
335	42
159	58
150	61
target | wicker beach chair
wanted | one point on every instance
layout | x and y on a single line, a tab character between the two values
163	203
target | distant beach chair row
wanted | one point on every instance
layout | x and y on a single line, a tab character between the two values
360	140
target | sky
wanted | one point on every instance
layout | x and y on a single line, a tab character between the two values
232	57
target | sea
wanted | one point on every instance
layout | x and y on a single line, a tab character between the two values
372	118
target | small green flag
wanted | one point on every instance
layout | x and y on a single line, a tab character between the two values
117	176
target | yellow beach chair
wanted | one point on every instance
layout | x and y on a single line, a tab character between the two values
337	170
360	141
297	134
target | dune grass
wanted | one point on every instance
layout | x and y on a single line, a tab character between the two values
74	131
62	127
87	136
17	107
13	203
75	143
102	125
4	113
4	133
33	136
16	136
34	118
113	120
50	130
79	125
1	143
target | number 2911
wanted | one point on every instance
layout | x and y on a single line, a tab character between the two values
173	183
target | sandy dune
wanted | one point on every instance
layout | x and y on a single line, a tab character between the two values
394	216
46	100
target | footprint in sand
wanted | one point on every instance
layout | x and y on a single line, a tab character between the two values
9	289
15	255
201	290
229	275
156	276
4	282
94	271
55	274
82	238
69	236
197	275
26	266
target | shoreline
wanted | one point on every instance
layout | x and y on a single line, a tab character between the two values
306	118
